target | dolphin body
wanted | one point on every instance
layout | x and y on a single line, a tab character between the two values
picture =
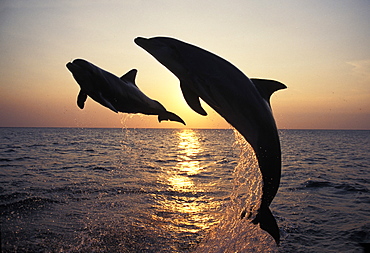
117	94
243	102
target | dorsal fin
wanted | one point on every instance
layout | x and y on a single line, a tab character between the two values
130	76
267	87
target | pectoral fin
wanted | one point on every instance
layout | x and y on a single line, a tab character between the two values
81	98
192	99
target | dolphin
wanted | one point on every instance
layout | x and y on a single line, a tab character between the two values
117	94
242	102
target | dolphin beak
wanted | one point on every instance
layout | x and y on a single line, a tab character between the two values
153	47
148	44
142	42
78	65
72	67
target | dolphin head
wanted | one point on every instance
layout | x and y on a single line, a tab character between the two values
155	46
84	72
166	50
98	84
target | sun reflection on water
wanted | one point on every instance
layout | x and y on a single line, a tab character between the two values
188	163
185	206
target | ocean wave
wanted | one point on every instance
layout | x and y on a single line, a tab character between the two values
98	168
166	161
24	158
352	188
29	203
317	184
360	234
12	196
346	187
36	145
5	160
11	150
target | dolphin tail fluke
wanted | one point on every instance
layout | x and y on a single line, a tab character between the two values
268	223
170	116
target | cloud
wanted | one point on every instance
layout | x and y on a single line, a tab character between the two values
361	68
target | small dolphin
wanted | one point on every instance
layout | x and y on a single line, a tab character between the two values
118	94
243	102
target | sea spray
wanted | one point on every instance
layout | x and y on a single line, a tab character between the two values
236	232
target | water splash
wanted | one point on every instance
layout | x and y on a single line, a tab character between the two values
233	233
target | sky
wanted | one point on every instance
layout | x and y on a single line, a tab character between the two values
319	48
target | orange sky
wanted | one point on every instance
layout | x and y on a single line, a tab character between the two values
319	49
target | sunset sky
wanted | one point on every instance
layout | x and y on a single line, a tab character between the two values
319	48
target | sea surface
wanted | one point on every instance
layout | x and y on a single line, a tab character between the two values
171	190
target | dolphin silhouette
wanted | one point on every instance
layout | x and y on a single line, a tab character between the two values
117	94
243	102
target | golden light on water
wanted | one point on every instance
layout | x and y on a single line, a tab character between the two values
188	164
189	209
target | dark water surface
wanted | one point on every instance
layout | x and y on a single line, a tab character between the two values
163	190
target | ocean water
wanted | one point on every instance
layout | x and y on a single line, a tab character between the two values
166	190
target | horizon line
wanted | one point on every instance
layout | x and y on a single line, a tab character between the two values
195	128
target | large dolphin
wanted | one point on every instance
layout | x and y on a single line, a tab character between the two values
118	94
243	102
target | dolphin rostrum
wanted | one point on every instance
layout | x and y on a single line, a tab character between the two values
118	94
243	102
